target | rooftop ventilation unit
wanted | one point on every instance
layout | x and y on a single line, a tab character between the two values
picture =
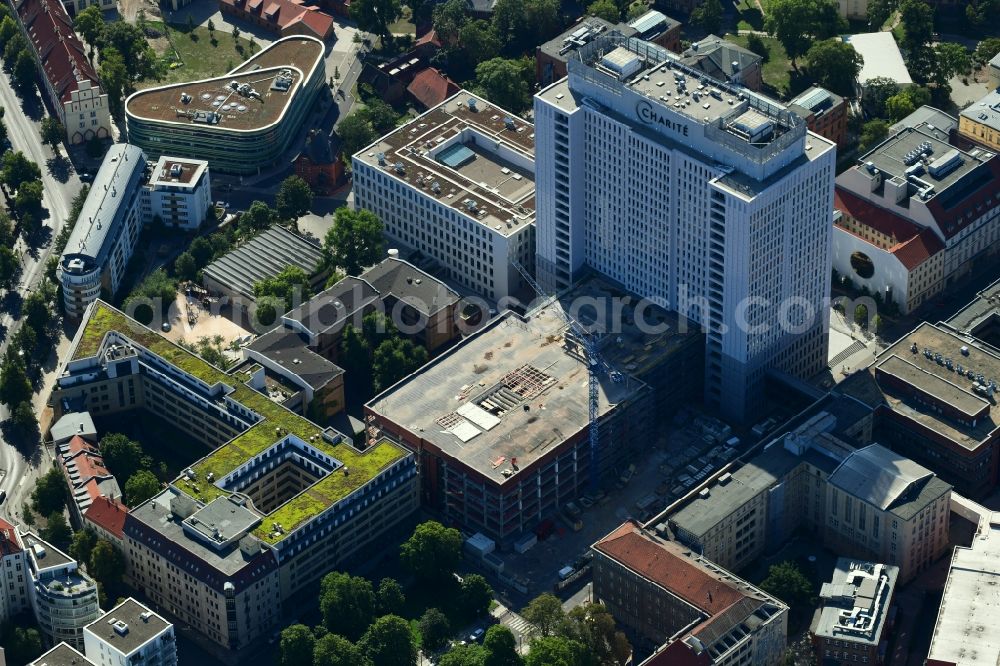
472	103
509	123
381	159
121	628
185	98
175	170
399	168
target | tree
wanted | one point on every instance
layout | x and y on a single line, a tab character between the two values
21	644
29	198
56	531
236	34
756	44
860	315
501	647
449	18
879	12
89	24
798	23
14	385
7	236
140	61
82	545
605	9
294	198
258	217
37	310
906	102
156	292
123	456
355	357
49	495
355	132
16	169
432	552
211	27
877	91
834	65
953	59
334	650
787	582
478	43
14	46
464	655
185	267
388	642
510	22
505	82
544	612
394	359
389	599
593	627
52	131
10	268
475	596
347	603
23	419
985	50
381	116
140	487
106	563
917	19
375	16
296	646
708	16
355	240
556	651
872	133
8	28
284	291
543	19
434	629
114	76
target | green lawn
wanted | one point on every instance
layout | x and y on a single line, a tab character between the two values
777	69
751	17
192	55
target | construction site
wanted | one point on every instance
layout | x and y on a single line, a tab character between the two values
500	422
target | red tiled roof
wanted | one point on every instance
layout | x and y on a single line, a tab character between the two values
665	565
78	445
9	541
429	37
320	23
884	221
108	514
62	54
678	653
285	13
918	249
88	467
430	87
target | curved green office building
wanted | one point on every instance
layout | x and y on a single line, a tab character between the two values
240	122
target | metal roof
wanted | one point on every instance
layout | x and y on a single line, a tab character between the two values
121	172
264	256
648	21
878	476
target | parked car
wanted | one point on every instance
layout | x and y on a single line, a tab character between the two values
477	635
86	177
566	572
3	496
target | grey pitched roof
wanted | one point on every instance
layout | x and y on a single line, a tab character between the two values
986	111
930	116
405	282
290	350
715	56
73	423
264	256
332	308
879	476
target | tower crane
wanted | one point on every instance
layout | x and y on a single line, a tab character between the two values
596	366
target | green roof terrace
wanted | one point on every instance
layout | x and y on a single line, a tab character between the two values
277	422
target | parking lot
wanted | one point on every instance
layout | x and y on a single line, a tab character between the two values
693	448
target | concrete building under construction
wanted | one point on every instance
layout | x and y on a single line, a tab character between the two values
500	421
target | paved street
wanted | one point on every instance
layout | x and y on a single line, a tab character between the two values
61	185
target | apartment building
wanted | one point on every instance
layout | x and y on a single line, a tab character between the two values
933	395
15	580
980	121
915	214
657	195
241	122
276	503
867	503
63	598
824	112
854	618
682	606
457	184
130	634
65	74
86	475
178	192
122	198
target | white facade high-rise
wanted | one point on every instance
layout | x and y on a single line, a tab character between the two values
703	197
